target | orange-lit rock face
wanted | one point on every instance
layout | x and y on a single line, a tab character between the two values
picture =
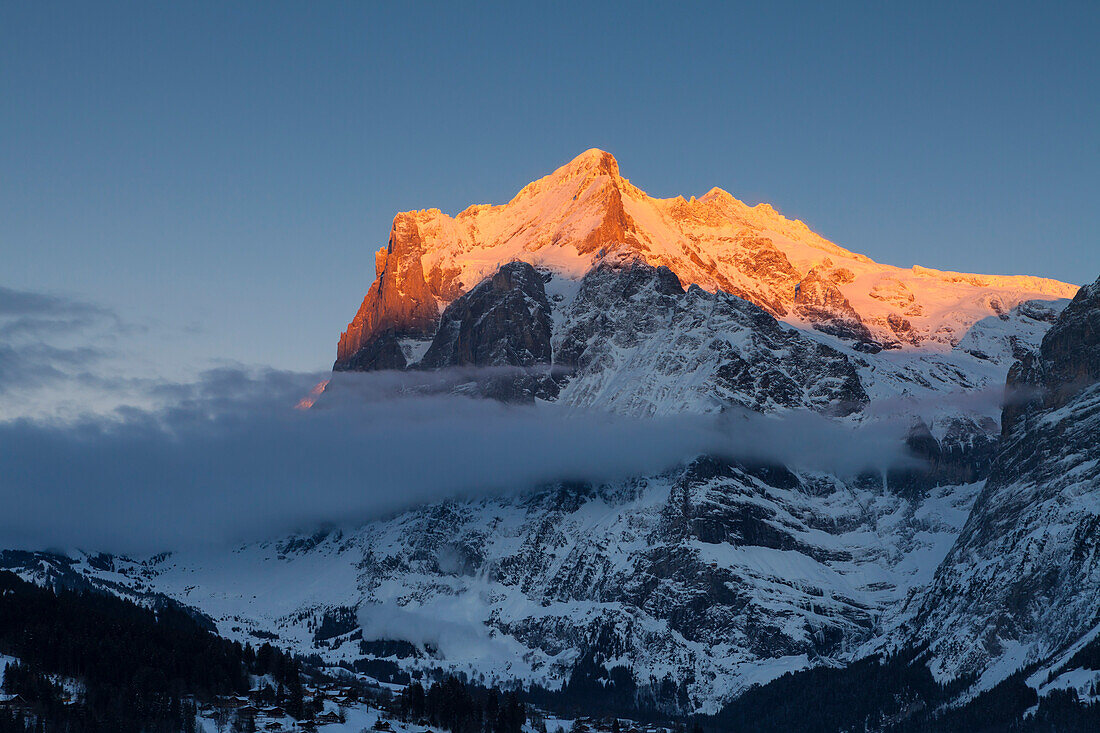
400	299
566	220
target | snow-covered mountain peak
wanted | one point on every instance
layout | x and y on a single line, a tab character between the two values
564	221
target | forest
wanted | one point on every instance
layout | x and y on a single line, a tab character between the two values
136	668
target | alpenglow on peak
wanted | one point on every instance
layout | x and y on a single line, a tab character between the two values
570	219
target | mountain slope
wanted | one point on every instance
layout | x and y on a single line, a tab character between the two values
702	581
1022	583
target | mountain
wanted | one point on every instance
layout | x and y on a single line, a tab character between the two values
701	581
567	220
682	591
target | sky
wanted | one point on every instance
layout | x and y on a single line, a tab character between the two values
219	175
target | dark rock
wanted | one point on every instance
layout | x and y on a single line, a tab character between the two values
1071	348
819	300
504	323
963	455
382	351
1067	362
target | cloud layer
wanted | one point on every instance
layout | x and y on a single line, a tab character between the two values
230	460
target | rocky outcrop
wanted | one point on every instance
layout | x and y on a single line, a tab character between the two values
959	452
1071	349
615	225
399	302
769	274
818	300
503	323
634	341
1067	362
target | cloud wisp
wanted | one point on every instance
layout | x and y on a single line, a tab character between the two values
43	337
61	355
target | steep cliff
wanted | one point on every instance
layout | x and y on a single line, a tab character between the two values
399	301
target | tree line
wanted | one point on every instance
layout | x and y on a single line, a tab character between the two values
460	708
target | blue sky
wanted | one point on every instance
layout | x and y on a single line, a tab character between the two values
220	174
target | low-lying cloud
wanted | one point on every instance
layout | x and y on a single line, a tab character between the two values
229	460
31	312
